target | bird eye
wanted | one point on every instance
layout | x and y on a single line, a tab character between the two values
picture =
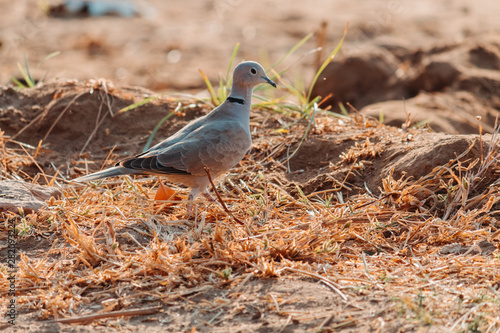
253	71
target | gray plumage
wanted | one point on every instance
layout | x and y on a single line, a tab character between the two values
218	140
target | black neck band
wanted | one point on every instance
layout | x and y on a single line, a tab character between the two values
236	100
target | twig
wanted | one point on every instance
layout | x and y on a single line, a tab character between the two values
94	131
238	288
414	232
286	323
19	290
320	43
346	323
464	316
275	303
183	293
315	193
374	201
220	199
367	273
62	113
215	317
326	281
34	120
365	265
311	122
38	166
324	323
114	314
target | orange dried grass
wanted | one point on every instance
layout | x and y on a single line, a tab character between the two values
143	254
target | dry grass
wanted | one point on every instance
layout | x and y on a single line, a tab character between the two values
112	248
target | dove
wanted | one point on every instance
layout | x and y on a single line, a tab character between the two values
217	141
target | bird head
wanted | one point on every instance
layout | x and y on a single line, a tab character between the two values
251	73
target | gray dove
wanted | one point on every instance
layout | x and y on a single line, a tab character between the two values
217	141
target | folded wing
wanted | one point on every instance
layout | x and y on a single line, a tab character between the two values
218	148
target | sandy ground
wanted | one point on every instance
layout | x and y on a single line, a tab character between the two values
162	49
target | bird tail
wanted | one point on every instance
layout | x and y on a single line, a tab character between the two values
114	171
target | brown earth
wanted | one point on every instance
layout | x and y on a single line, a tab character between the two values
410	63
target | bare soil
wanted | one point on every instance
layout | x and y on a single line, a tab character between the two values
394	254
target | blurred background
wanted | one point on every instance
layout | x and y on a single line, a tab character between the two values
161	44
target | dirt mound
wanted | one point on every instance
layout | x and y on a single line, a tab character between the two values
362	78
449	112
443	86
361	159
82	117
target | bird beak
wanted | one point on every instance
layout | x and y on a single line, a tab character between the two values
268	80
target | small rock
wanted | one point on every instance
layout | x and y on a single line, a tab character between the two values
31	197
486	247
454	248
483	248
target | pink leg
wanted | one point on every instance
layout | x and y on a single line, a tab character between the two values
209	197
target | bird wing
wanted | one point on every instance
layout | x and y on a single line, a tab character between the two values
217	146
150	163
